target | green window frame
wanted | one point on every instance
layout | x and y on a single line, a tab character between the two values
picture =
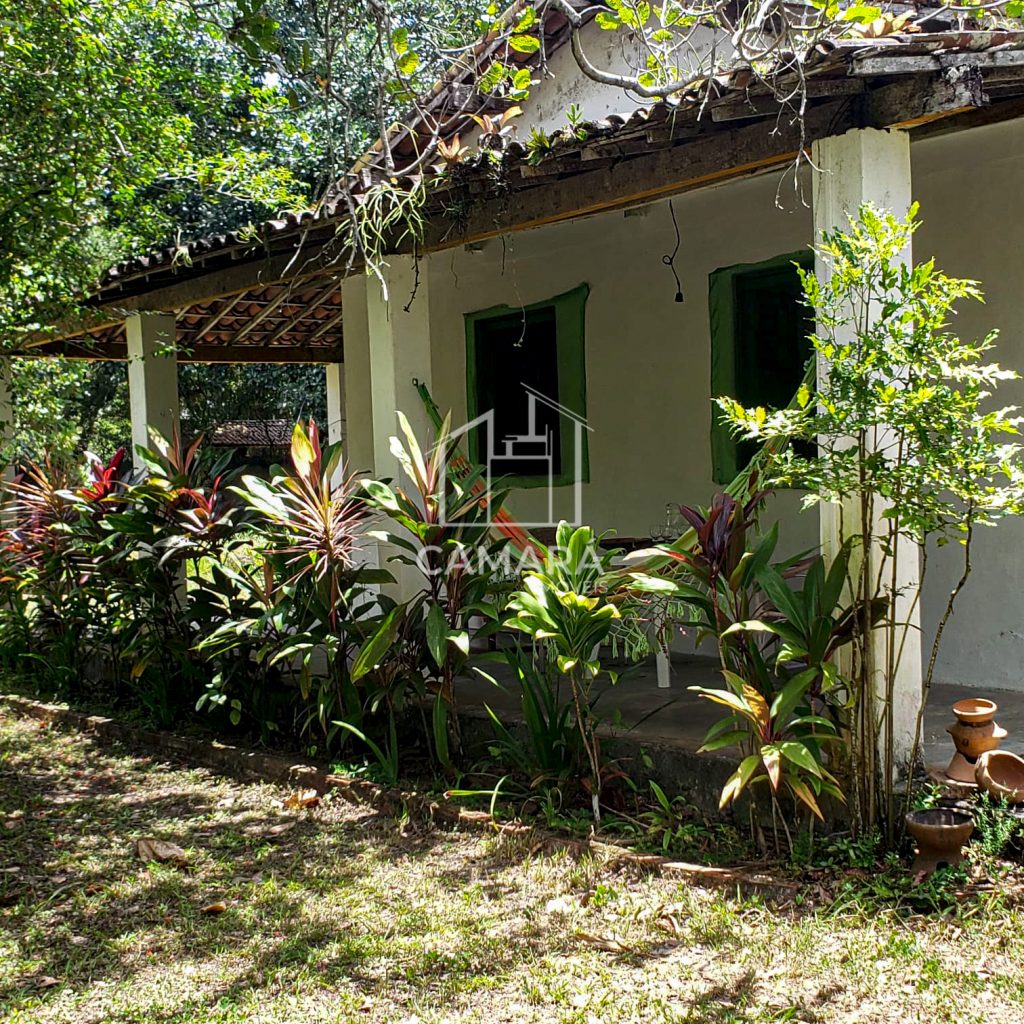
735	334
569	310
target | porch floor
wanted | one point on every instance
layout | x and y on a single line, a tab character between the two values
679	718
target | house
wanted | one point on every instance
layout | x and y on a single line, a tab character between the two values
550	454
640	266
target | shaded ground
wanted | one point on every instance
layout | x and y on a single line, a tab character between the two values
677	716
334	914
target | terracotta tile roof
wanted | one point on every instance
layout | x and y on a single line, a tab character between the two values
251	434
731	93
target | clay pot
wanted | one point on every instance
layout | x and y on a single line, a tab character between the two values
1001	775
940	833
974	740
975	710
961	770
974	733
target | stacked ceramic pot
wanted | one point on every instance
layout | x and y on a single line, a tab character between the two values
974	733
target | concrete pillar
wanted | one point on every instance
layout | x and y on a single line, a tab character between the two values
872	166
399	344
398	331
358	398
334	374
152	375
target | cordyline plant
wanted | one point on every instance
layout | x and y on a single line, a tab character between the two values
911	451
314	593
774	642
439	526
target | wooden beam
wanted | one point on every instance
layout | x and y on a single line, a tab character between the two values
327	325
998	111
715	155
311	304
269	308
216	319
257	273
720	155
905	104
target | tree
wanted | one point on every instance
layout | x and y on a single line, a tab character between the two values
114	111
910	447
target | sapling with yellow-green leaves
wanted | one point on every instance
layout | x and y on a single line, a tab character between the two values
566	605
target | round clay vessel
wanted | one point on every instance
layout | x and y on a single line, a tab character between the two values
974	740
975	710
1001	775
940	833
961	770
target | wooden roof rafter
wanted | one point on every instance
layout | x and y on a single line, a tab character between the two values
278	323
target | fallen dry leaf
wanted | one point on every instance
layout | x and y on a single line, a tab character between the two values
46	981
160	851
606	942
214	908
302	798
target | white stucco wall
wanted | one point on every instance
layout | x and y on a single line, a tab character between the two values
969	187
648	358
564	84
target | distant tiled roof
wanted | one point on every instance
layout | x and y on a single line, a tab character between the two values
251	434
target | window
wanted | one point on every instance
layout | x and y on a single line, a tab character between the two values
511	352
759	346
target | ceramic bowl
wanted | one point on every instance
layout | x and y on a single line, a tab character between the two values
974	710
1001	775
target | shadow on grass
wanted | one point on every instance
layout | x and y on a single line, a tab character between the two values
306	894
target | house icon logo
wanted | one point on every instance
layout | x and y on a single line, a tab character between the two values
547	454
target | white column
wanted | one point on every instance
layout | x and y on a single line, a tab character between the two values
872	166
152	375
334	374
358	399
399	348
398	323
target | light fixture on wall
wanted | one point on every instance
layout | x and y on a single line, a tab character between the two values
670	259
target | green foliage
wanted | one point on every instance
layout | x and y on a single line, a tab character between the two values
307	605
547	752
995	828
911	449
892	366
679	830
565	605
438	525
891	887
96	574
776	644
117	115
840	851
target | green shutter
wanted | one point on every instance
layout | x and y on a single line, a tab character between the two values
750	360
570	345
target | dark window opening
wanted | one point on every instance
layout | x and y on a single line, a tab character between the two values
760	329
521	365
511	354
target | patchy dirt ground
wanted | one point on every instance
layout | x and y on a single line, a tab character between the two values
334	914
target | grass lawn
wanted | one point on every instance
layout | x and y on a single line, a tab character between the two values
336	914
